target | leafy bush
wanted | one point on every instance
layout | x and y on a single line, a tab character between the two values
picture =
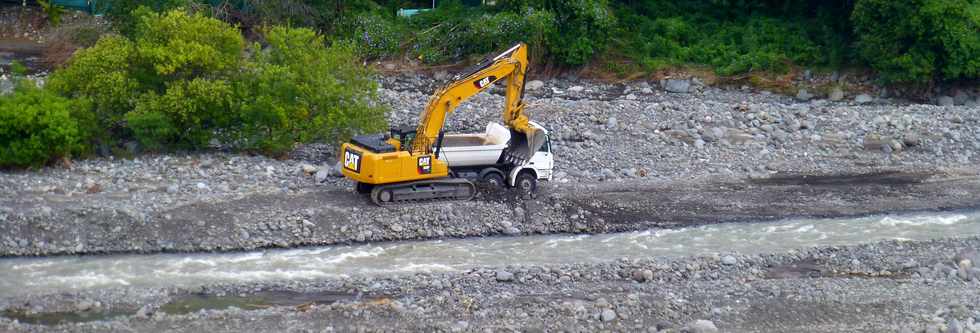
187	115
184	80
175	45
103	75
919	40
300	90
37	126
52	11
18	68
123	15
376	36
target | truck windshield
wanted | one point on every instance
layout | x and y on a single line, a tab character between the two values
546	147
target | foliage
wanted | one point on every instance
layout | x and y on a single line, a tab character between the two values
52	11
758	43
175	45
919	40
103	75
374	35
37	126
184	80
123	13
18	68
300	90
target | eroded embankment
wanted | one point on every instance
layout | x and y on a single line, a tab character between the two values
325	215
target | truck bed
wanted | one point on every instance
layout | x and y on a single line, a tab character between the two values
460	150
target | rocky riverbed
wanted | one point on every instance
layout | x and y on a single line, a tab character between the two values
891	286
629	157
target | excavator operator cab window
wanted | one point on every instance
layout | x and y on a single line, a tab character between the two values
405	135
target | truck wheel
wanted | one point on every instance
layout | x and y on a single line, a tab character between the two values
494	179
526	182
363	188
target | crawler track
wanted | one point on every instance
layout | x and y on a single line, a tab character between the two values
424	190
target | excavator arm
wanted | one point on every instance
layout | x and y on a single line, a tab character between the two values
510	66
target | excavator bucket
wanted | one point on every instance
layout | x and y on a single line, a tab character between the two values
523	145
536	139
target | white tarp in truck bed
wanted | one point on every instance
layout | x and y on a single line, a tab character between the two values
475	149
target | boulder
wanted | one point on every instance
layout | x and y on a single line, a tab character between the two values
677	86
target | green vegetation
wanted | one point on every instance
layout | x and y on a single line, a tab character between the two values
52	11
185	81
914	41
919	40
263	75
37	126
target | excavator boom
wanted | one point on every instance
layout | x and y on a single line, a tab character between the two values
510	66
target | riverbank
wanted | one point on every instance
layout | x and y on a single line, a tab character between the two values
629	157
881	287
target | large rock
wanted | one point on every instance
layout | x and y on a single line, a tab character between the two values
702	326
836	94
505	276
677	86
534	85
945	101
863	98
803	95
960	97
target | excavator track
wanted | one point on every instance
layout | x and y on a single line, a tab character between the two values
423	190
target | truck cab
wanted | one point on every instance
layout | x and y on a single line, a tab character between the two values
540	164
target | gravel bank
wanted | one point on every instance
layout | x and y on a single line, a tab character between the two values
882	287
628	158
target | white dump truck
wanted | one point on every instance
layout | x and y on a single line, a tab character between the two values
482	157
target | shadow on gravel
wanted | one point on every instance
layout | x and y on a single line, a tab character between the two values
878	178
57	318
191	303
811	269
264	299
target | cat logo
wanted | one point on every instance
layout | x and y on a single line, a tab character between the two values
425	165
484	82
352	160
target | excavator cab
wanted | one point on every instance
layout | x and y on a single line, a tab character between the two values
404	136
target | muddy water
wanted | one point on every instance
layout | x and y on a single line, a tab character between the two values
20	276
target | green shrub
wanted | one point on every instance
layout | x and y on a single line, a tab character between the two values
300	90
103	75
18	68
919	40
376	36
181	46
52	11
123	13
184	80
187	115
37	126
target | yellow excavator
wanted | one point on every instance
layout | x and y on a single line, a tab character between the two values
411	164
